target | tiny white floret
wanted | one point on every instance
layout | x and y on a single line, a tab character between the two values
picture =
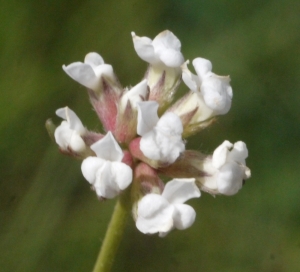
162	213
227	168
164	49
108	175
161	138
215	90
68	134
90	72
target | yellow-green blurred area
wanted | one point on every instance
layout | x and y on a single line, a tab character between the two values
52	221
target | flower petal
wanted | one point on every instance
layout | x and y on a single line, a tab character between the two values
104	70
144	48
82	73
105	185
184	216
191	80
180	190
220	154
171	58
203	67
230	178
71	117
154	214
107	148
63	135
167	46
122	174
239	152
170	124
149	147
89	168
147	116
68	134
93	59
164	142
217	93
77	143
167	39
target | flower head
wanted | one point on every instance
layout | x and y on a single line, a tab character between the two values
162	213
143	131
106	172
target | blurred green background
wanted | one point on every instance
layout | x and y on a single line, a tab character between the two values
50	219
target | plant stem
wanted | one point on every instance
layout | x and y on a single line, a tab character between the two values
114	234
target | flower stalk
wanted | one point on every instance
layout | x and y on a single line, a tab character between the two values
114	233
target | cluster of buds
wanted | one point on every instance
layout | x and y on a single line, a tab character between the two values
144	134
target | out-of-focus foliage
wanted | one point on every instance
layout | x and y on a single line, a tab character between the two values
51	221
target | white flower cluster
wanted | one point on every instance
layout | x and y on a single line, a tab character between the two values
144	134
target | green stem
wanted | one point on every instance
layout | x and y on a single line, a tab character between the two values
113	234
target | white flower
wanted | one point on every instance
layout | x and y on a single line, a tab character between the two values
227	168
213	89
161	138
164	49
162	213
90	72
68	134
106	172
136	94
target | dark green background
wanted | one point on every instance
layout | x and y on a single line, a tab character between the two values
51	220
